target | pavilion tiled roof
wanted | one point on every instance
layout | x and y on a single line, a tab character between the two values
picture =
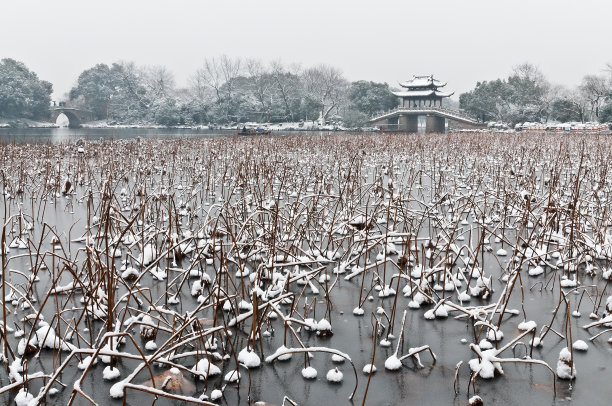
422	82
422	93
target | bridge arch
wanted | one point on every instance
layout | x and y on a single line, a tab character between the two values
75	116
73	120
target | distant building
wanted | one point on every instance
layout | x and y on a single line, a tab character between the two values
422	91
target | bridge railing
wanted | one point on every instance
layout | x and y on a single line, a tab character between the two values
449	112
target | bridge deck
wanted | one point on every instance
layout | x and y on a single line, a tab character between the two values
72	109
437	111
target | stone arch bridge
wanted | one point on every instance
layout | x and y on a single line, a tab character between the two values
406	119
75	116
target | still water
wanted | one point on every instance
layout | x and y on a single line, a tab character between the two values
65	134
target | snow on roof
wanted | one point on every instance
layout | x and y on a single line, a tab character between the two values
422	93
422	81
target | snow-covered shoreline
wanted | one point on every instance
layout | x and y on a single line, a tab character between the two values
285	126
24	123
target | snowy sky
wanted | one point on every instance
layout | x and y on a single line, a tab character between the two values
460	41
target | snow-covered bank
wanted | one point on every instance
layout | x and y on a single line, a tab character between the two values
24	123
570	127
285	126
106	124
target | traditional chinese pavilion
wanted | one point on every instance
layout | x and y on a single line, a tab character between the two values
422	91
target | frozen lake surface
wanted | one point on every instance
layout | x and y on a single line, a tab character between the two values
159	252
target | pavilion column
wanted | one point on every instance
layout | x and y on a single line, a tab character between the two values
408	123
435	124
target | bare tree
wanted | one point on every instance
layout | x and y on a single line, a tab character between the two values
159	82
595	89
575	104
219	74
200	94
132	83
288	85
325	84
260	86
532	92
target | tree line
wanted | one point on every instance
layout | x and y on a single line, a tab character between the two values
227	90
22	93
526	95
234	90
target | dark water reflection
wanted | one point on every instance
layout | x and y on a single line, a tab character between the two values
65	134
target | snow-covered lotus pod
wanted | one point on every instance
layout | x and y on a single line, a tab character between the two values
19	243
309	373
204	369
442	311
538	270
386	291
537	342
482	288
391	249
86	361
324	328
150	345
475	401
565	366
216	394
29	347
464	297
148	328
47	338
335	375
23	398
286	355
245	306
340	269
196	288
393	363
148	255
337	358
211	344
495	335
232	376
249	358
243	273
110	373
429	314
485	344
568	283
488	366
130	274
527	325
580	345
369	368
358	222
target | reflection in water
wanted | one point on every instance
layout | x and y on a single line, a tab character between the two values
65	134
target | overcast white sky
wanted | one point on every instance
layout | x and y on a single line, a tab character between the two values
460	41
